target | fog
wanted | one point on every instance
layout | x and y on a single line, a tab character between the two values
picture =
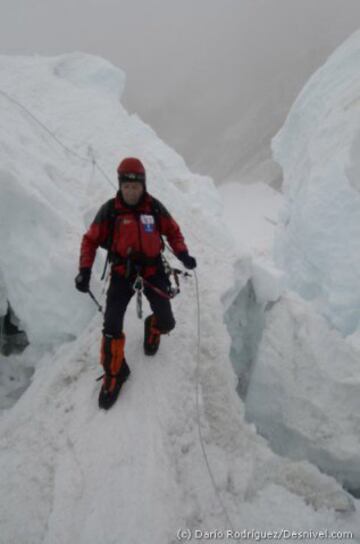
214	78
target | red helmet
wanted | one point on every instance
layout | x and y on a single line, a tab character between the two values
131	169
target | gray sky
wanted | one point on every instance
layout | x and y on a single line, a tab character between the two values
213	77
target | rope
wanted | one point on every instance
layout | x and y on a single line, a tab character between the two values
201	438
197	389
56	139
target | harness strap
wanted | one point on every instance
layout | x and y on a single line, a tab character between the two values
139	283
116	259
157	290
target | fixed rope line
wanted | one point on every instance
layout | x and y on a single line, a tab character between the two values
56	139
201	438
197	389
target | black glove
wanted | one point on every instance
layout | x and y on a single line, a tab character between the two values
188	261
82	280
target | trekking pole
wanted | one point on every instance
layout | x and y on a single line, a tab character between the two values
96	302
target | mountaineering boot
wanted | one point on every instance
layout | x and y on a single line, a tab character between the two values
115	367
108	396
151	335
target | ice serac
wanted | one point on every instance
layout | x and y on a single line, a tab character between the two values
305	384
318	149
304	395
90	72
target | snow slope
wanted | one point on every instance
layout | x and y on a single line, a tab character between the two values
142	471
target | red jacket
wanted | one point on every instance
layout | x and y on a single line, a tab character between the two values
136	229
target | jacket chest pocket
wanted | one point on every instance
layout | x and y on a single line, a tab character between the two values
126	233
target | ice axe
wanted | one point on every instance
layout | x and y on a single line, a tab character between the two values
96	302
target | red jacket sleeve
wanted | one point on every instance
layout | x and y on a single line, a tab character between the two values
96	235
170	228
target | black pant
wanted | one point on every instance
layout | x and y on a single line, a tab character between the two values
118	297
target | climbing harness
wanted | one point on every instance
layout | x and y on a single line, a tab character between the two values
170	293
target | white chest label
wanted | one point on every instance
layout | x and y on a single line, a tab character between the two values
148	222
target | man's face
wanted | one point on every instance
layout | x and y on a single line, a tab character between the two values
131	192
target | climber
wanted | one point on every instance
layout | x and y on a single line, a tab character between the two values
130	226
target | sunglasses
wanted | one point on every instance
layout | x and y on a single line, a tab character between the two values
130	176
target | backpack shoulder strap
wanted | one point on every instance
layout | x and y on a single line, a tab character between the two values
113	213
158	210
107	213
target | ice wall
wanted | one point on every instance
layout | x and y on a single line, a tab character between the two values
318	244
304	395
304	390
